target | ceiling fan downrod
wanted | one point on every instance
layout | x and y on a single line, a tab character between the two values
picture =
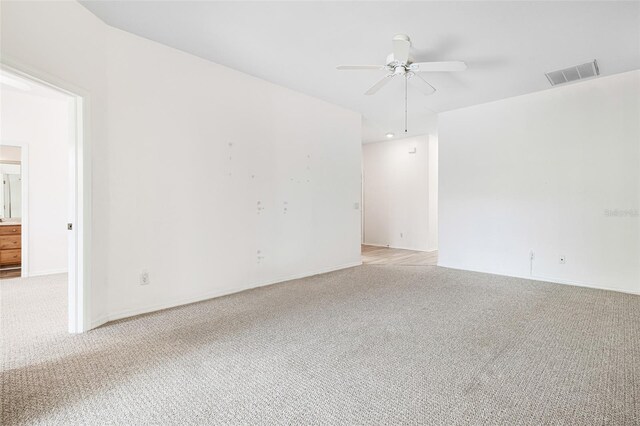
405	102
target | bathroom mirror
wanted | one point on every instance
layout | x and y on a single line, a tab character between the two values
11	193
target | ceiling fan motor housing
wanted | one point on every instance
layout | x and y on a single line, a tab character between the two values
393	63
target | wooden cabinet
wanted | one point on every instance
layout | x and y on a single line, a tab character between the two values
10	229
10	245
8	242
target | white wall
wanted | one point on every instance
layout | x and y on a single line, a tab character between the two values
400	193
433	192
155	109
42	123
233	141
542	172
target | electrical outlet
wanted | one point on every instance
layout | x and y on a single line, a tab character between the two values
144	278
563	259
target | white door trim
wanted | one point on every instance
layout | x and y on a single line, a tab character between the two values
80	194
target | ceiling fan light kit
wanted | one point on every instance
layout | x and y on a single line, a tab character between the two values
401	63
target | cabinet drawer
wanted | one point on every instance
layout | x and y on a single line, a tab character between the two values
8	242
10	257
10	230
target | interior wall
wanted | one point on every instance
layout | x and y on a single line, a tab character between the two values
270	177
556	173
400	206
43	124
433	163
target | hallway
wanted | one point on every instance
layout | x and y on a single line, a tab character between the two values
373	255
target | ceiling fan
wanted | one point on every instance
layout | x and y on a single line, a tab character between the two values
400	63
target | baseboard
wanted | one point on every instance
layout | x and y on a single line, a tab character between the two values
398	247
581	284
49	272
126	313
545	279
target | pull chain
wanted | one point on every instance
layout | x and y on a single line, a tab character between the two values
405	103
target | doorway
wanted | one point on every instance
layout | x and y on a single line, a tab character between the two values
400	201
43	120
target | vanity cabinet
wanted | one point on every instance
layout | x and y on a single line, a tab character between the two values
10	245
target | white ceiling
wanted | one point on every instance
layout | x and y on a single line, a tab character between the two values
508	46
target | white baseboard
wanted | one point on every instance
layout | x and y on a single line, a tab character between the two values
544	279
210	295
49	272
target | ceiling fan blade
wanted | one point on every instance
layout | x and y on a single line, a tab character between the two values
373	89
401	45
438	66
360	67
421	84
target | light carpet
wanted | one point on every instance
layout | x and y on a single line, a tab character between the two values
366	345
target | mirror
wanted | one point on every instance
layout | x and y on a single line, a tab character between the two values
11	193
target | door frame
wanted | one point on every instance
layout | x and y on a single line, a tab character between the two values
79	212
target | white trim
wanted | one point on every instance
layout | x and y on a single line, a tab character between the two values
48	272
24	228
24	207
580	284
125	313
545	279
80	164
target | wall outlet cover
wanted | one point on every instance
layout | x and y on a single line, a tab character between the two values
144	278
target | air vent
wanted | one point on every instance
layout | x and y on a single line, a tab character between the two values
578	72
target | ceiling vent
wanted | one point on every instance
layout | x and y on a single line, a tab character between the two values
578	72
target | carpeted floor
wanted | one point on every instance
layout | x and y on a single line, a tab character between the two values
366	345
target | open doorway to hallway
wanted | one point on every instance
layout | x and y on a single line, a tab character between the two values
400	201
37	130
372	255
